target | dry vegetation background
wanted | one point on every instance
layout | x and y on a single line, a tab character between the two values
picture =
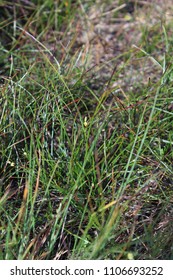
111	28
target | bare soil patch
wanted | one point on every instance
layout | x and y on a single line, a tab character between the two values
108	38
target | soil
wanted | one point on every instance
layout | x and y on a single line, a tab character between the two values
110	39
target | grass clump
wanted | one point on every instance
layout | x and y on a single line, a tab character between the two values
85	166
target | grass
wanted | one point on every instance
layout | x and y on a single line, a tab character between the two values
85	167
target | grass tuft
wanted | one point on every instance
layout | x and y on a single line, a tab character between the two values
85	132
